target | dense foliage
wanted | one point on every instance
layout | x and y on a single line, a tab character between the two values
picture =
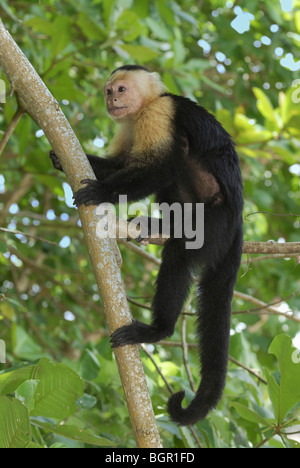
242	63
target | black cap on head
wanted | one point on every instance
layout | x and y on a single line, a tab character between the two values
131	68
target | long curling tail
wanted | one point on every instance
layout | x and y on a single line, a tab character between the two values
215	296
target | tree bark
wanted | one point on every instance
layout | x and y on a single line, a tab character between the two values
123	231
37	101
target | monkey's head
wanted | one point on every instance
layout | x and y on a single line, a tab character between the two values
129	89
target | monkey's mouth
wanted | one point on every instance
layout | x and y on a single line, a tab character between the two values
114	109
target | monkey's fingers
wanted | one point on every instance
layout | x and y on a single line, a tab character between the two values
123	336
55	160
89	195
136	332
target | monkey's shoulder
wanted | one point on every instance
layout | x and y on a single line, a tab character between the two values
199	125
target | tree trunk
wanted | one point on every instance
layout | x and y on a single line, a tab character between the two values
37	101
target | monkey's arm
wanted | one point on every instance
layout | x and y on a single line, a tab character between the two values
136	182
102	167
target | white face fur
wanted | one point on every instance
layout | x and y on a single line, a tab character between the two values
126	93
123	98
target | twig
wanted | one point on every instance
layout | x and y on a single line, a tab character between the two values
250	247
11	128
13	231
185	346
16	195
272	214
195	346
238	363
263	305
192	429
144	348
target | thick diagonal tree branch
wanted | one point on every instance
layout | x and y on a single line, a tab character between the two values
34	97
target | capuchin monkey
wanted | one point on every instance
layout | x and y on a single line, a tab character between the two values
169	146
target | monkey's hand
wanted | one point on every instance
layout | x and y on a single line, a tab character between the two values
93	193
55	160
134	333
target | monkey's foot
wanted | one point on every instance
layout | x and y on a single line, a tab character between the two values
92	194
136	332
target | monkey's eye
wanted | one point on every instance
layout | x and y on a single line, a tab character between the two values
122	89
108	92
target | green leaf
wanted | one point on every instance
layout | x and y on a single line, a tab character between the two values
23	345
90	28
288	106
75	433
58	389
130	25
171	83
274	390
141	8
213	85
40	25
288	393
86	401
11	379
159	29
26	391
61	37
265	107
15	430
249	414
89	365
297	21
108	6
140	53
166	13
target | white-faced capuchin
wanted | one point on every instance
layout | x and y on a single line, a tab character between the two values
169	146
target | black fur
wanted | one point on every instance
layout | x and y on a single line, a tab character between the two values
130	68
201	166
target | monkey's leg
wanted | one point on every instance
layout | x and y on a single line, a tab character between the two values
172	288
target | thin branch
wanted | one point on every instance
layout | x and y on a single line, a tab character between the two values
27	315
137	249
271	248
11	128
251	371
250	247
192	429
144	348
270	257
269	308
281	215
31	236
195	346
185	346
16	195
